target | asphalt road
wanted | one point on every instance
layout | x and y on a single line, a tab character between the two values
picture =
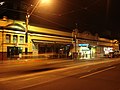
104	79
93	75
28	67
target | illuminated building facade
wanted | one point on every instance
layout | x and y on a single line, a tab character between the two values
43	40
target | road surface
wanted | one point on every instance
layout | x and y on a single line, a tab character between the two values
104	79
95	75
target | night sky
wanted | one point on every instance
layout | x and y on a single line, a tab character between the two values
95	16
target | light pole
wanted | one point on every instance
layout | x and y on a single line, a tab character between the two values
75	38
2	42
107	7
75	32
27	22
26	32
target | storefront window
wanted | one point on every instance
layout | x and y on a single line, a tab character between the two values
107	50
8	38
21	39
14	38
86	51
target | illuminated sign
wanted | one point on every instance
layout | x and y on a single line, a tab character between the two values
1	3
108	49
83	45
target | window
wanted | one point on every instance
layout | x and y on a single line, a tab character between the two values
14	38
8	37
21	39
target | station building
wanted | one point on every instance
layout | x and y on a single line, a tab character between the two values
54	42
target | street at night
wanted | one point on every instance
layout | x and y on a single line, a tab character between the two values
59	45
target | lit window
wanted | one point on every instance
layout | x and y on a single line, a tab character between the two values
7	38
22	39
14	38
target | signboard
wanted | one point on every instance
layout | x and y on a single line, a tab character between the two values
83	45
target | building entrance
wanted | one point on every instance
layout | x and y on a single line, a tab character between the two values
12	51
86	51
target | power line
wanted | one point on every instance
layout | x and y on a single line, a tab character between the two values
50	21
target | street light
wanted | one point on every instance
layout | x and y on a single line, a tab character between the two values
74	34
45	1
27	20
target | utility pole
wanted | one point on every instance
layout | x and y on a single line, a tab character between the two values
75	32
28	14
2	42
26	32
27	23
107	8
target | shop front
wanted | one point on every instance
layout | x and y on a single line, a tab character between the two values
53	49
86	51
108	51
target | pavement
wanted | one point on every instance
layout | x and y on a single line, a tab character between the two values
32	59
43	61
43	58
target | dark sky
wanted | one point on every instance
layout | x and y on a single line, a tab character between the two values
96	16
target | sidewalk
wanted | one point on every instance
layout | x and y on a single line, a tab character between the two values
46	61
46	57
36	60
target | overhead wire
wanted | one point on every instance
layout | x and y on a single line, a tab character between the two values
38	17
62	14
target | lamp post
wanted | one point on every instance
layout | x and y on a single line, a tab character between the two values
3	27
75	38
27	22
75	32
26	32
2	42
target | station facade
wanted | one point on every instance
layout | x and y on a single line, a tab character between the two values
54	42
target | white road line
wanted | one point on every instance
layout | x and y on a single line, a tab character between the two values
30	78
38	73
95	72
33	85
28	86
46	72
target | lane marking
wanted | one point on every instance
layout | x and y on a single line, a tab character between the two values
38	73
96	72
46	72
30	78
28	86
36	84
